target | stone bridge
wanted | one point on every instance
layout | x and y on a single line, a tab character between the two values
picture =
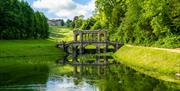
88	37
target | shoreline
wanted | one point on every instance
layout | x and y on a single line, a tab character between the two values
159	63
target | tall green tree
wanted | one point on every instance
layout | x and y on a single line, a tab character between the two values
145	22
19	21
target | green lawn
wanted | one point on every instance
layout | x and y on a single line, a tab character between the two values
14	52
27	59
23	48
32	51
161	64
58	34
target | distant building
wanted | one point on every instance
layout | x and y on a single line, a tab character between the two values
56	22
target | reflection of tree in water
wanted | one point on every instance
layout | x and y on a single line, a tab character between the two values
117	77
125	79
24	74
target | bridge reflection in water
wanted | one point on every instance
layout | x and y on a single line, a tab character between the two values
89	67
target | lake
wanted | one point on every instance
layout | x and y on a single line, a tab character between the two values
82	73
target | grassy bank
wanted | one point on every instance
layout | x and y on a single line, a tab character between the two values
30	59
61	33
28	51
158	63
23	48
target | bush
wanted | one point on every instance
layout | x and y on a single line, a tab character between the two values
169	42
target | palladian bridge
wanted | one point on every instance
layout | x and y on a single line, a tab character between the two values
83	38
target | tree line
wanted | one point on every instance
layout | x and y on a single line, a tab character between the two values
19	21
140	22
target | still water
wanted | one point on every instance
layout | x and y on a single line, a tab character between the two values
86	73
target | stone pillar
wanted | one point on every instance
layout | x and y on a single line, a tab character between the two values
81	49
81	37
105	48
99	37
75	37
98	49
97	59
74	51
95	37
92	37
105	59
88	37
81	68
105	37
85	37
81	44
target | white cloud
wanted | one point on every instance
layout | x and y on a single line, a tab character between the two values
65	8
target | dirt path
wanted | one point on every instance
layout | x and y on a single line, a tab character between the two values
177	50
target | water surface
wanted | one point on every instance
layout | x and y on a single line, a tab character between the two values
86	73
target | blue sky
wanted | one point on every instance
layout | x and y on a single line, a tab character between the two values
65	9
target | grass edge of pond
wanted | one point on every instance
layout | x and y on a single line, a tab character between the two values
153	62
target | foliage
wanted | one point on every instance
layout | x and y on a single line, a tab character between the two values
19	21
77	22
141	22
87	24
97	25
168	42
68	23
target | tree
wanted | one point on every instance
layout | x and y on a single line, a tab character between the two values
77	22
88	23
19	21
69	23
145	22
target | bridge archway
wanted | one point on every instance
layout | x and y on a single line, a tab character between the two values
87	35
98	38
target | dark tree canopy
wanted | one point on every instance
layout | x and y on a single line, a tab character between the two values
19	21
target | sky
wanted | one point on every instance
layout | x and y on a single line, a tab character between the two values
64	9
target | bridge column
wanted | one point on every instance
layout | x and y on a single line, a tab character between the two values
81	48
92	37
74	51
99	37
105	59
81	44
88	37
105	48
85	37
98	49
75	37
95	37
81	68
81	37
97	59
105	37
